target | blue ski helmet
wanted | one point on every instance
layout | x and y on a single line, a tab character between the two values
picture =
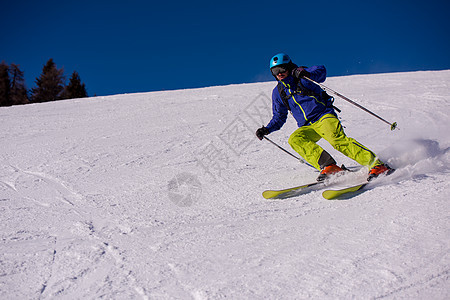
279	59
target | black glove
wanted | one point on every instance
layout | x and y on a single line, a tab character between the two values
300	72
261	132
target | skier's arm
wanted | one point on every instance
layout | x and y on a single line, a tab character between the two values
318	74
280	113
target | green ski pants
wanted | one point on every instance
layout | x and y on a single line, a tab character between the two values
304	140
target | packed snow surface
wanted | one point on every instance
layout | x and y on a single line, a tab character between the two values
158	196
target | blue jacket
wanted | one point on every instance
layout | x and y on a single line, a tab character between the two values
305	109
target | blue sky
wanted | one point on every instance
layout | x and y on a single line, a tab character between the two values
139	46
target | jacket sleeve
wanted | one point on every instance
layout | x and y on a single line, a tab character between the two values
318	74
280	112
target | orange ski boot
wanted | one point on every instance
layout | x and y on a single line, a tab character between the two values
329	170
379	170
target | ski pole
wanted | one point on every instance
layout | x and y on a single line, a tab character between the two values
393	125
298	158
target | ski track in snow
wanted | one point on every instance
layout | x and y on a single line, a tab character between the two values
158	196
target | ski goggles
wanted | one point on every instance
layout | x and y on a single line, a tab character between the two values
277	70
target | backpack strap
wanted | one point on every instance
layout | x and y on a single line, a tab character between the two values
283	95
301	89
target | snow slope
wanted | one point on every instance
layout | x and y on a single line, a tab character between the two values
158	196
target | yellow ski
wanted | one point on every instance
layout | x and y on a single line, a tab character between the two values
289	192
333	194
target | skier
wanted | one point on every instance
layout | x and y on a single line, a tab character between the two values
313	110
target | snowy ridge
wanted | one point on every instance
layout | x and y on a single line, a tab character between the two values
158	196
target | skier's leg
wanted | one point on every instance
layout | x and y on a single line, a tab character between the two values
330	128
303	141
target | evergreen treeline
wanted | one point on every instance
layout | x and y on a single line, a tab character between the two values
50	85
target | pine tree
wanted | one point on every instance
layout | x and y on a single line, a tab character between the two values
18	92
5	85
50	84
75	89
